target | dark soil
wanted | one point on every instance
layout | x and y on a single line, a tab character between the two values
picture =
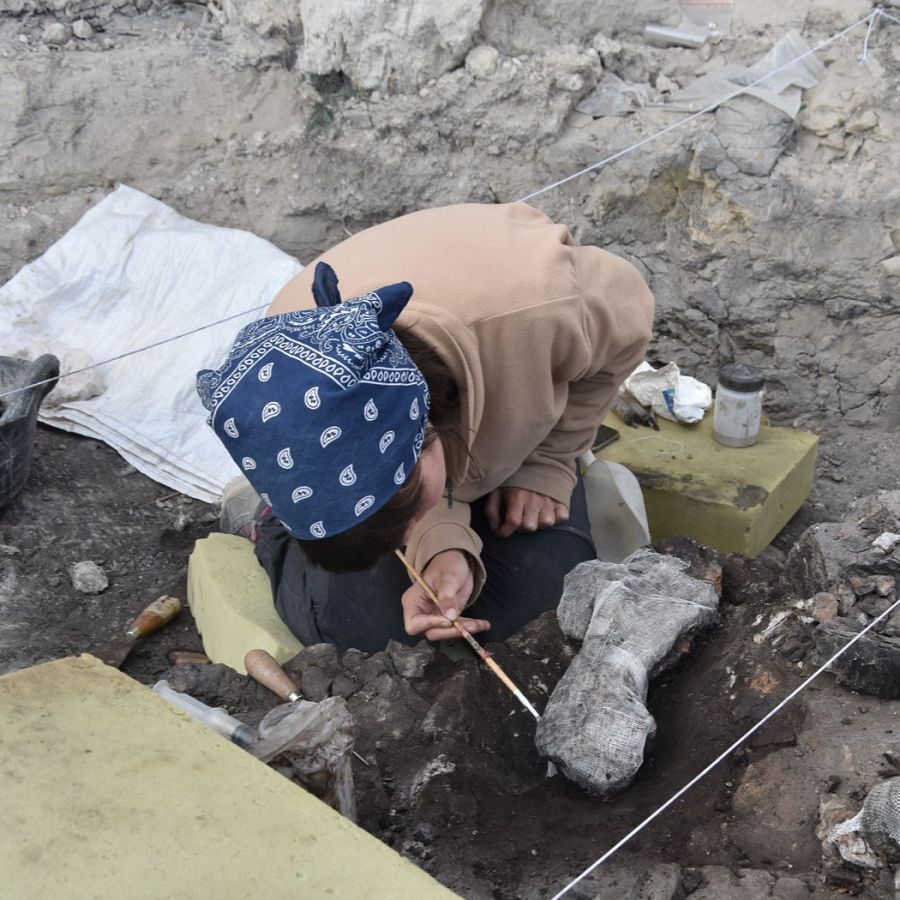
453	779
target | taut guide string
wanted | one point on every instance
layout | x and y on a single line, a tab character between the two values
772	712
872	18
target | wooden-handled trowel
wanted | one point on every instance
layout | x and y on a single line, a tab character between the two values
263	667
152	618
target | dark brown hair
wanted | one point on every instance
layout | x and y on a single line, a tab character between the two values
360	547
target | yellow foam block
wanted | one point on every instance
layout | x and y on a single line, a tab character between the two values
733	499
231	599
109	792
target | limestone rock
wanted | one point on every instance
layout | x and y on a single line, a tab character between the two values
55	33
82	29
752	135
266	17
481	61
88	578
391	47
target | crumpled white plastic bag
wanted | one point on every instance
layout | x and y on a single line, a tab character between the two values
132	273
676	397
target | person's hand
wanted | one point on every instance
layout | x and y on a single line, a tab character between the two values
450	577
511	509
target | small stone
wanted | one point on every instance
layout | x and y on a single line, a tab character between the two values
825	607
410	662
325	656
864	121
353	658
314	684
886	542
822	121
9	550
342	686
482	61
82	29
55	33
665	85
22	38
142	5
88	578
861	586
374	666
873	605
884	584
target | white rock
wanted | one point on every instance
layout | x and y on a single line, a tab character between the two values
82	29
665	85
482	61
863	121
886	542
822	121
88	577
397	46
891	266
571	82
55	33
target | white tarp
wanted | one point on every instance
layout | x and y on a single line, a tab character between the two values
130	273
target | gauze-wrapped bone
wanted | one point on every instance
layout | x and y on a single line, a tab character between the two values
872	837
630	616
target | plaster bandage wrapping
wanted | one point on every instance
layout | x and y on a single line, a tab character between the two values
629	616
872	837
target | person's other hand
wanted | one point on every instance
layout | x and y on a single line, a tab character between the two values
450	577
511	509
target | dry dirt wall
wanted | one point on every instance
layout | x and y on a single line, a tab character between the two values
764	238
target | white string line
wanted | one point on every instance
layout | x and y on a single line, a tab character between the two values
864	58
870	30
877	13
128	353
724	754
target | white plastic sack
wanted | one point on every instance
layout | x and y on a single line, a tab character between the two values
130	273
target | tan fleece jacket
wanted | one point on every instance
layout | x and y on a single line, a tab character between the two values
538	331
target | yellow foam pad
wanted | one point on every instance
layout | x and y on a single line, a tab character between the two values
735	499
109	792
231	599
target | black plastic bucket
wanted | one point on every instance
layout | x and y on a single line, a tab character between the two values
18	417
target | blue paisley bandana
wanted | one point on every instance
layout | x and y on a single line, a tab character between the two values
323	410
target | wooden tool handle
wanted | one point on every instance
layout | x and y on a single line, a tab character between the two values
263	667
154	616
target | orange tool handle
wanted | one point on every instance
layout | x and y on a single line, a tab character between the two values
154	616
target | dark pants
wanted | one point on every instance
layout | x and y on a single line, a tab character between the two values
362	609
